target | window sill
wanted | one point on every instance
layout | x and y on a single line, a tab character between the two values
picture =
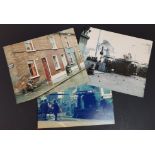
34	77
31	50
57	69
54	48
73	64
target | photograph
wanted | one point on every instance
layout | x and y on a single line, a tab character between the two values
115	61
45	64
83	105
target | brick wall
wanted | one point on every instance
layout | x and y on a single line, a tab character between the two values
17	55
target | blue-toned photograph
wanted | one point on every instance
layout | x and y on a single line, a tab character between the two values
84	105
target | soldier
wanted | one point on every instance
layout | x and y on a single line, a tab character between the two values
56	109
44	109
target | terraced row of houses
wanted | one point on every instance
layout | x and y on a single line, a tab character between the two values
43	59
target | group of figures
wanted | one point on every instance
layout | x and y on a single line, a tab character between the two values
85	105
48	108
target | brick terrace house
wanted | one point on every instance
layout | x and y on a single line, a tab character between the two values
72	50
43	59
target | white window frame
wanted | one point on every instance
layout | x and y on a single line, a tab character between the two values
32	77
62	59
67	42
59	67
53	41
72	58
30	42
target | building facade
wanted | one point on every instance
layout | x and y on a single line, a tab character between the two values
43	59
83	42
72	50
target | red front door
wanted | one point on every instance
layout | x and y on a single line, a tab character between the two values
46	69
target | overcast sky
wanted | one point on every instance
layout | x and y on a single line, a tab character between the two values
140	49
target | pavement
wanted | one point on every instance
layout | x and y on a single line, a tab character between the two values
133	85
71	122
75	79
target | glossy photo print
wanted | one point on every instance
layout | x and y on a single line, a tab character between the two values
48	63
117	62
83	105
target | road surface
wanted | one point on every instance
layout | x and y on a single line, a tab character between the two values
72	122
132	85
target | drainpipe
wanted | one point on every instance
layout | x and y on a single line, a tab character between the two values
98	42
76	57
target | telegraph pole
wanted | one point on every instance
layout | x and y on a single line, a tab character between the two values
98	43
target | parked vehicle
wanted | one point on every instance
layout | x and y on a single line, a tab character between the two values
109	64
94	59
91	69
142	70
124	67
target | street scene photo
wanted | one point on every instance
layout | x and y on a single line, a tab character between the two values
45	64
84	105
115	61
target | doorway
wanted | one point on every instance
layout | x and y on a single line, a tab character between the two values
64	61
46	69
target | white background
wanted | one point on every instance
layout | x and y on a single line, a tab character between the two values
77	11
77	142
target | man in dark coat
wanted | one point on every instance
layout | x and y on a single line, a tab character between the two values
44	109
103	103
56	109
